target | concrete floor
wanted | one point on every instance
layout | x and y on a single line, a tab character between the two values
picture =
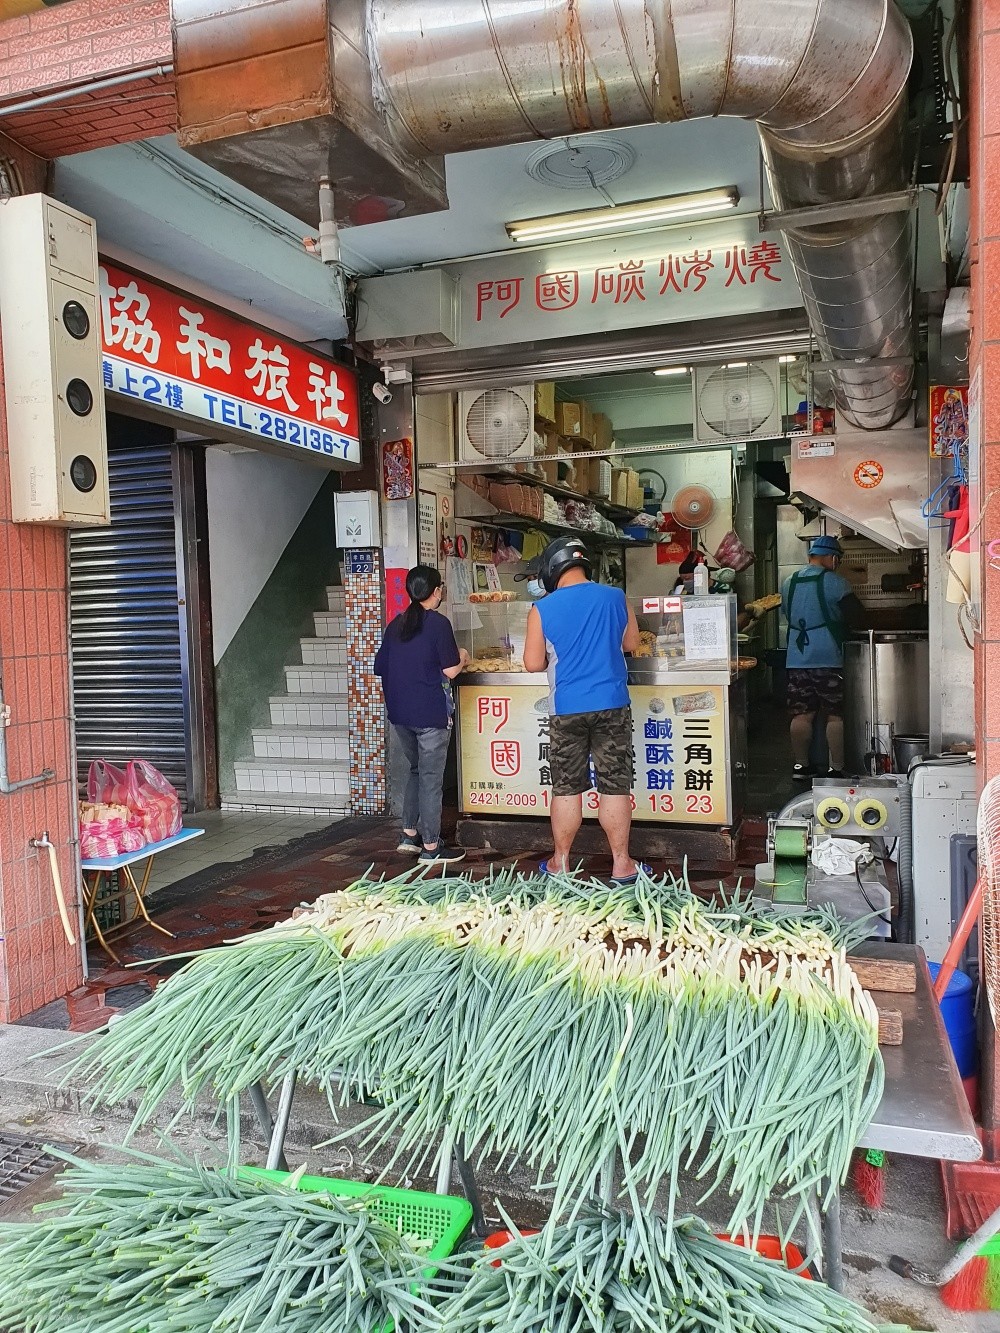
33	1103
230	835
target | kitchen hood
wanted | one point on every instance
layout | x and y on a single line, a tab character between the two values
874	483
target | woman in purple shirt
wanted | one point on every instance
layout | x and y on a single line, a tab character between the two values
417	659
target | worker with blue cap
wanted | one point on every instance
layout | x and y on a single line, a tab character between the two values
820	607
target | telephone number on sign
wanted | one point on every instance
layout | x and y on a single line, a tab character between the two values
525	800
189	398
663	803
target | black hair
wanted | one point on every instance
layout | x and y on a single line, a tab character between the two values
421	583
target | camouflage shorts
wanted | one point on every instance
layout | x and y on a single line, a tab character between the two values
814	690
606	738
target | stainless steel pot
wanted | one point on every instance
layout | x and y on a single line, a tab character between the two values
887	693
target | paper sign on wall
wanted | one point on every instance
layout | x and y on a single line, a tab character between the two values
427	528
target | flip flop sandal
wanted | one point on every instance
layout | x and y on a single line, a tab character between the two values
626	881
543	869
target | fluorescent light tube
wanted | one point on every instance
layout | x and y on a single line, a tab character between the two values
645	213
672	370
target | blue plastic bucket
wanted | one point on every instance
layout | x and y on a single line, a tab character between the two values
958	1009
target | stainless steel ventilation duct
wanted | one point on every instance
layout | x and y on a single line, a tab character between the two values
824	79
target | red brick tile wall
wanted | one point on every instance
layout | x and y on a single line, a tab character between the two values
984	352
82	40
37	964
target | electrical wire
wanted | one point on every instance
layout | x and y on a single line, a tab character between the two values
876	910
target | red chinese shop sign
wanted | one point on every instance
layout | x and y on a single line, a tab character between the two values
176	353
677	274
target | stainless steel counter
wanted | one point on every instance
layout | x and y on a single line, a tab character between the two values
924	1112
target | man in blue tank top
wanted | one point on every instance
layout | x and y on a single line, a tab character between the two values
580	633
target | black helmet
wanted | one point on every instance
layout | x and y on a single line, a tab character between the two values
562	554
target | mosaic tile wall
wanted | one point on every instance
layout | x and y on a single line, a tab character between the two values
366	714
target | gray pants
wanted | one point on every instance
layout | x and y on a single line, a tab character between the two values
426	749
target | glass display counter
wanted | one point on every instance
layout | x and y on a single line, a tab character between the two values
688	716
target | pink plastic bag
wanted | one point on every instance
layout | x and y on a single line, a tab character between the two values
106	784
732	554
153	800
108	830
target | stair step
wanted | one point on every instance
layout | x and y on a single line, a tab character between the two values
324	652
335	599
308	710
293	777
330	624
294	804
316	680
329	743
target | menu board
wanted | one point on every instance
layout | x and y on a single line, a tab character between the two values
679	747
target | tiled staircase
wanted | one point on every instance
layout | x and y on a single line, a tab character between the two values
301	761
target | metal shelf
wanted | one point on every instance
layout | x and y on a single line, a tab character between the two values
519	521
621	513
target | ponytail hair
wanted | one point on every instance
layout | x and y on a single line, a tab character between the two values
421	583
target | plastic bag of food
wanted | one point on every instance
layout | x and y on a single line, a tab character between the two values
732	554
152	798
108	830
106	784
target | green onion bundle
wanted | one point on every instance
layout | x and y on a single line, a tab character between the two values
161	1247
554	1030
609	1273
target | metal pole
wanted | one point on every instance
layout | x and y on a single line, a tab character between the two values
276	1151
263	1112
468	1179
833	1250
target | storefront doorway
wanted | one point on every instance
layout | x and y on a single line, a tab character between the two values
138	687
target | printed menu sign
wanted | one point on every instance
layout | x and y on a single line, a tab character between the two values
679	746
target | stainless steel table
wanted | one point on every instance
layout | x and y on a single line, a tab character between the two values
924	1111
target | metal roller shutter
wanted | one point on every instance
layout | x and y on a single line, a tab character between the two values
128	634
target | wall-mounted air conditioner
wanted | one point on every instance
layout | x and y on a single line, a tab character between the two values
737	401
496	424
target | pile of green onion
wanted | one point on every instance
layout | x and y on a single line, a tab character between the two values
162	1247
547	1023
610	1273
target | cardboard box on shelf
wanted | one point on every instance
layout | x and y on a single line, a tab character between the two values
574	422
636	495
549	470
600	478
545	400
583	468
619	486
603	434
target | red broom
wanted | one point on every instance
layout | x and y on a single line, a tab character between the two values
869	1177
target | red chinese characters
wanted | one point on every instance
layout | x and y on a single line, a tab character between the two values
182	353
557	291
505	293
505	758
633	281
493	712
620	282
747	264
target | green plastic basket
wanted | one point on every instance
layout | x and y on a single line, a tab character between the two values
440	1219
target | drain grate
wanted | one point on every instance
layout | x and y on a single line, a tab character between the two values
23	1161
